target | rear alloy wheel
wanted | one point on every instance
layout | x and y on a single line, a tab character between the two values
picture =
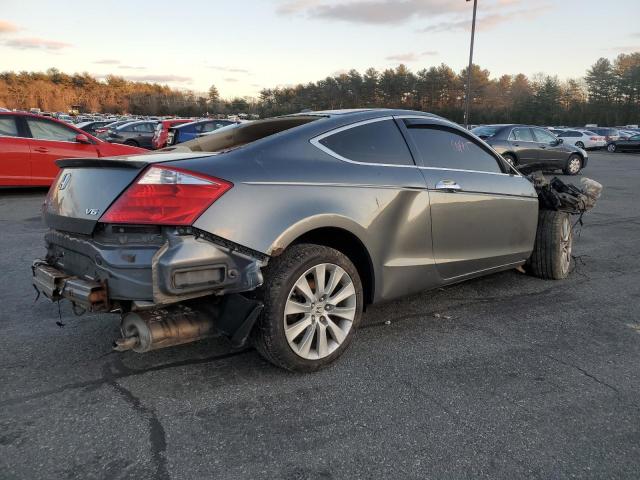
551	257
313	300
574	165
131	143
611	147
580	145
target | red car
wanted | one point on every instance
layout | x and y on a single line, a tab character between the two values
30	145
162	131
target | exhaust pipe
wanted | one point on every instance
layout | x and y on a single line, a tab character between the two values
232	316
146	331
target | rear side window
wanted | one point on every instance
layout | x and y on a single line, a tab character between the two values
45	130
441	147
376	142
8	127
544	136
522	134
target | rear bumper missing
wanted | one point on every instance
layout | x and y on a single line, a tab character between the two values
166	267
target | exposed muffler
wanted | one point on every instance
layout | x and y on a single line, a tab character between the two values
145	331
233	317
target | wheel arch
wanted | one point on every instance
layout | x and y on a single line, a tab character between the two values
339	237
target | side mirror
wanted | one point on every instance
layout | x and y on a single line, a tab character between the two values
82	138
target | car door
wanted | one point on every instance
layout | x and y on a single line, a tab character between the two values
144	133
51	141
481	216
633	143
551	152
15	156
570	137
523	145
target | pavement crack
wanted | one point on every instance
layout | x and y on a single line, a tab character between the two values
157	436
584	372
123	372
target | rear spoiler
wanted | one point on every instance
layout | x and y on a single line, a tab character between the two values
101	162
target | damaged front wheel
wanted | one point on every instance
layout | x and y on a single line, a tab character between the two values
551	257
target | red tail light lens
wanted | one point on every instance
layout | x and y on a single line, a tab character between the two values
166	196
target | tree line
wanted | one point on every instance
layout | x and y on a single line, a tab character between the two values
608	94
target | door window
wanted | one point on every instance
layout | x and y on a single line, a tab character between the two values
143	127
442	147
375	142
45	130
8	127
543	136
522	134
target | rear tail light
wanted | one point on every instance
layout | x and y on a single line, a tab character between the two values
166	196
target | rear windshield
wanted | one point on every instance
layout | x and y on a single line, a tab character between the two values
485	131
233	136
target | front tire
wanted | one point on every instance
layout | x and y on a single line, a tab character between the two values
313	300
551	257
574	165
611	148
131	143
580	145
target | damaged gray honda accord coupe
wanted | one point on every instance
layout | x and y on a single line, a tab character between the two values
279	232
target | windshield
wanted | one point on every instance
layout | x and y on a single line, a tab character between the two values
485	131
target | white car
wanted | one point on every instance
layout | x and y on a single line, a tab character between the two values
584	139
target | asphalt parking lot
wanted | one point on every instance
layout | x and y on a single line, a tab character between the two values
503	377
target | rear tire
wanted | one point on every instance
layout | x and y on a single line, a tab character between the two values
316	331
580	145
574	165
611	148
131	143
551	257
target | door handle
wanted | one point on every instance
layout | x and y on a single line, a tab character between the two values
41	149
449	185
516	144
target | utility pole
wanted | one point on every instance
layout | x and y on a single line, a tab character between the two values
468	94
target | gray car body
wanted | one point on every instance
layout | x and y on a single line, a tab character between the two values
409	235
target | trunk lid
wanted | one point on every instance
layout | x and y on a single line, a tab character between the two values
85	188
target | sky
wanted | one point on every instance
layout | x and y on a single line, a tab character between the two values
242	46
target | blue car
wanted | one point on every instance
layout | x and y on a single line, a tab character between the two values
189	131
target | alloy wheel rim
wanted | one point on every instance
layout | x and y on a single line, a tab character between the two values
319	311
612	148
574	165
565	244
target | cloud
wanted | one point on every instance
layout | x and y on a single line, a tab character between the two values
230	80
107	61
131	67
34	43
410	56
229	69
8	27
485	22
159	78
376	12
625	49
